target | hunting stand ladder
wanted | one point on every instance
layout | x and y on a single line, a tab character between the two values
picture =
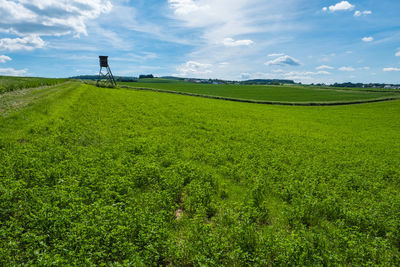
108	78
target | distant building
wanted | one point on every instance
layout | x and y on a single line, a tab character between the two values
391	87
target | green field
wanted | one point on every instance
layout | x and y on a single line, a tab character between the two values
367	89
9	83
97	176
285	93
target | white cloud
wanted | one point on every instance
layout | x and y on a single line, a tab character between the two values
347	69
245	76
136	57
4	59
299	78
258	75
193	68
28	43
367	39
283	61
276	55
359	13
184	7
232	42
323	72
327	58
13	11
12	72
278	71
305	77
216	18
50	17
397	54
302	76
391	69
342	6
324	67
235	19
304	73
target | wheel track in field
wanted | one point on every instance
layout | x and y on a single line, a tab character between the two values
309	104
18	99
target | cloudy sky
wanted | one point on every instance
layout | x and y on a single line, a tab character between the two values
305	40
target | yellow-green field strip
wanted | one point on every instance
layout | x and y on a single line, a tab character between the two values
336	103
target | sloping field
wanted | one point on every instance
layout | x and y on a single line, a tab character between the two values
92	176
286	93
8	83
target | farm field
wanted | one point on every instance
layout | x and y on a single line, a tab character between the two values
97	176
367	89
9	83
286	93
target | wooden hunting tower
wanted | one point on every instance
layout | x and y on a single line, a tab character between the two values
108	78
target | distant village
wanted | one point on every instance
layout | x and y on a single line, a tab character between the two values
363	85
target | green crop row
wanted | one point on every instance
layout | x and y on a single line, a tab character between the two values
97	176
284	93
8	83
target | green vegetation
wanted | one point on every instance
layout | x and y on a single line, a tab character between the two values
287	93
366	89
96	176
9	83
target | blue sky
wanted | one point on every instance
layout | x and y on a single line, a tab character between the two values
306	40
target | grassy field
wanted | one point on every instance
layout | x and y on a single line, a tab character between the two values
286	93
96	176
9	83
367	89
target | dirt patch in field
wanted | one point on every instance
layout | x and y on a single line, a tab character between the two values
23	141
178	214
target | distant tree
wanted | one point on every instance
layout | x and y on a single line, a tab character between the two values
148	76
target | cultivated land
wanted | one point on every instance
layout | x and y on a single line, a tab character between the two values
286	93
115	176
8	83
